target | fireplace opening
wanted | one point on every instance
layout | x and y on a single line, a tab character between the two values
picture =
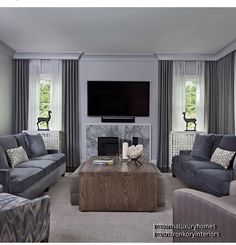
108	146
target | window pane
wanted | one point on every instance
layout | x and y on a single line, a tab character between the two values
190	100
45	94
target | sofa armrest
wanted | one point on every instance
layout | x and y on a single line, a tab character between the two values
234	167
184	152
232	188
29	222
191	207
4	179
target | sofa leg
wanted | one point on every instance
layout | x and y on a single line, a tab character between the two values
45	240
63	175
47	190
173	175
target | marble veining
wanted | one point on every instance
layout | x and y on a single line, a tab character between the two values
122	131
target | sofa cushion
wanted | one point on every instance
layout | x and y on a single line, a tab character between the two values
216	180
179	159
22	178
3	159
35	145
59	158
46	165
202	146
191	167
9	201
8	142
228	143
216	142
20	138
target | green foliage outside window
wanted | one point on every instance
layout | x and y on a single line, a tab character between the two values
45	97
190	100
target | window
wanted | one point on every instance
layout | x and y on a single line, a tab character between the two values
45	97
45	93
188	94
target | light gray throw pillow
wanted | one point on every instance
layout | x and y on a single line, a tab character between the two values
17	155
222	157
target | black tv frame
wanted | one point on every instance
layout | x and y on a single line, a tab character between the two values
147	83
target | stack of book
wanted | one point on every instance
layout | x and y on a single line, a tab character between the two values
103	161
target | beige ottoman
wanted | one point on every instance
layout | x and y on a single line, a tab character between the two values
74	188
161	189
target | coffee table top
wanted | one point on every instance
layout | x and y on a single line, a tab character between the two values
118	167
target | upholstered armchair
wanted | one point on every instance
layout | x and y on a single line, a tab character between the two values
191	207
24	220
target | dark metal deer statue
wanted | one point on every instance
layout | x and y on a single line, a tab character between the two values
189	120
44	119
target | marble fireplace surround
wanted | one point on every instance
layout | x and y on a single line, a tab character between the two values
122	131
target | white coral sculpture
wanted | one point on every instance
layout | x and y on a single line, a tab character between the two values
134	152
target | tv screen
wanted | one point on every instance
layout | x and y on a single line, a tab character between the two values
109	98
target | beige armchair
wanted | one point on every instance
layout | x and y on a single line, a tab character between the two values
201	217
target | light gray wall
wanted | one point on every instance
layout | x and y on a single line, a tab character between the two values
5	91
118	69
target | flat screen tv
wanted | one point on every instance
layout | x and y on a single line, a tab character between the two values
113	98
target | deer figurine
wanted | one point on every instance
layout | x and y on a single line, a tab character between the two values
189	120
44	119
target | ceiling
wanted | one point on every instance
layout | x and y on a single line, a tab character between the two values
118	30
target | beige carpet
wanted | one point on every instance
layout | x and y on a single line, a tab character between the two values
68	224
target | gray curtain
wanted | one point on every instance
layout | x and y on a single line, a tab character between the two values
164	113
211	96
219	95
70	83
20	95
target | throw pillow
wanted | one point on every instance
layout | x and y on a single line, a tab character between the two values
202	146
3	159
35	145
20	138
228	143
17	155
222	157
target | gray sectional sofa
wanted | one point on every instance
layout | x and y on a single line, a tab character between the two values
30	178
196	170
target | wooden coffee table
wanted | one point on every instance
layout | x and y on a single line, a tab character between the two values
117	187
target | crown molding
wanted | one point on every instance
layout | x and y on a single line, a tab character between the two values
6	50
226	50
201	57
137	57
230	47
48	56
119	57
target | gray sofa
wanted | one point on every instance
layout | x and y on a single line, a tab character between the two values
191	207
28	179
197	172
